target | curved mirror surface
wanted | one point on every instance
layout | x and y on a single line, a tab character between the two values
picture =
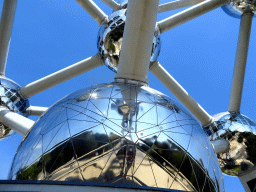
119	133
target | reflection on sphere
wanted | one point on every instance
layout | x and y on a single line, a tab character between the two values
119	133
240	132
11	99
236	8
110	39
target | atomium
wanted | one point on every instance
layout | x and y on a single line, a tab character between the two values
110	39
11	99
236	8
119	133
240	132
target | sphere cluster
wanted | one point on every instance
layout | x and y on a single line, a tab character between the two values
110	39
236	8
240	132
119	133
11	99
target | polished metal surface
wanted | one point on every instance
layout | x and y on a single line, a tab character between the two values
240	132
236	8
123	3
10	98
119	133
110	39
5	131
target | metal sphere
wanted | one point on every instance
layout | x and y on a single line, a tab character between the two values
110	39
240	132
119	133
236	8
11	99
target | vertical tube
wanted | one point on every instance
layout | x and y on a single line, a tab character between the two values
240	63
6	25
138	37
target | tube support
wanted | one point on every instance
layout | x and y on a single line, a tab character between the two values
6	25
36	111
137	43
189	14
111	3
94	11
61	76
240	63
15	121
181	94
220	146
177	5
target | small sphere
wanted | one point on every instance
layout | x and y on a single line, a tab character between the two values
11	99
240	132
119	133
236	8
110	39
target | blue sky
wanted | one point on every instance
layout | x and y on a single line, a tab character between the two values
49	35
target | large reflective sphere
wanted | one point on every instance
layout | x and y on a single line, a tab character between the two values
110	39
236	8
240	131
119	133
10	98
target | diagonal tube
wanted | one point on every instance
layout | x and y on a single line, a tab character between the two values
240	63
111	3
180	93
16	122
177	5
94	11
189	14
137	42
61	76
6	25
36	111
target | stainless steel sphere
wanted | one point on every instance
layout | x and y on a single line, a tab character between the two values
10	98
119	133
110	39
236	8
240	132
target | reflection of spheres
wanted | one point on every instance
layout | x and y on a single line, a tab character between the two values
110	39
10	98
237	7
119	133
240	131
